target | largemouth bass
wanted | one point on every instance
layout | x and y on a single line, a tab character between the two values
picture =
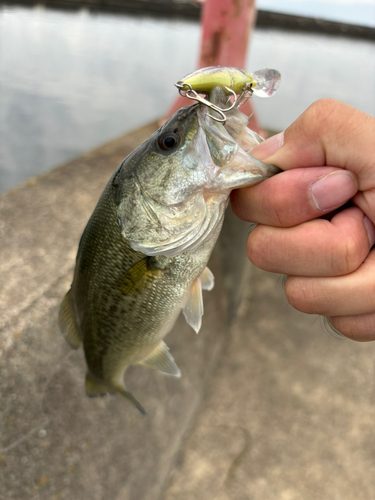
143	255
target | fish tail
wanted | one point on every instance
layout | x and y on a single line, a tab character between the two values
95	387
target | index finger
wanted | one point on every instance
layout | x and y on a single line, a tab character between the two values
329	132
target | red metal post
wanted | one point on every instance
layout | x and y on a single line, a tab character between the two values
226	27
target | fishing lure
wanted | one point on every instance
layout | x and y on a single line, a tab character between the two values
236	83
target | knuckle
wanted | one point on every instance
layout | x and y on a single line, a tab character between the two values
301	295
322	107
350	256
321	111
253	250
292	292
257	248
318	119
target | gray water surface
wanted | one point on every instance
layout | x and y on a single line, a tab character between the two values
71	81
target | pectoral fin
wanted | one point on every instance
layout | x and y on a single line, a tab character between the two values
162	360
207	279
67	324
138	277
193	310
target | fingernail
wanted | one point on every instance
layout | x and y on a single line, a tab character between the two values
268	147
370	230
334	189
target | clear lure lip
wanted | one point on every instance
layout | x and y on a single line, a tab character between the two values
267	82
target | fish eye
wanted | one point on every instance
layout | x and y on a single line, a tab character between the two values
168	140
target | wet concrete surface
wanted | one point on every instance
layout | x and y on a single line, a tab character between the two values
270	406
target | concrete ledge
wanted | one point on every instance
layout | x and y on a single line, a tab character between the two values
55	442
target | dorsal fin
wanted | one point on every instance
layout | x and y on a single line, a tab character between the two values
162	360
67	324
207	279
193	309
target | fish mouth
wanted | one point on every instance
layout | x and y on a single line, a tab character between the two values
222	146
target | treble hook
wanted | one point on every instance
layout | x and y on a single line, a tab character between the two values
186	90
245	95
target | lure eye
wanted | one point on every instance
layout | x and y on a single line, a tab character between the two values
168	141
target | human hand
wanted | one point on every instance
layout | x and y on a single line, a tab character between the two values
329	266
